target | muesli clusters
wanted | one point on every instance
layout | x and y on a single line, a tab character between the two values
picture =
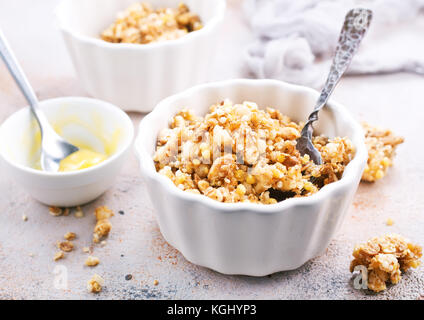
240	153
65	246
385	257
95	284
103	225
101	230
92	261
381	145
141	24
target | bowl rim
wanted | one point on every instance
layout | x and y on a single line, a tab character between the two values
353	169
208	28
108	106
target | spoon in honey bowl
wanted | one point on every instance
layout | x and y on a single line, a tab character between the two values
53	147
356	23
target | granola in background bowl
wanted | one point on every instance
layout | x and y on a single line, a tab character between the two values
141	24
154	53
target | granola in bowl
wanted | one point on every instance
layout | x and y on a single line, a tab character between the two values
241	153
141	24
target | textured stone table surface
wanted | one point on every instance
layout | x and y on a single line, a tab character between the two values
136	246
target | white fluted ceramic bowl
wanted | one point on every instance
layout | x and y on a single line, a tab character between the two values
246	238
132	76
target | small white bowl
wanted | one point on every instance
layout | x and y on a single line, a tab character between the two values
247	238
97	124
136	77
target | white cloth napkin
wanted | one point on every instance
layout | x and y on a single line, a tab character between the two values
295	39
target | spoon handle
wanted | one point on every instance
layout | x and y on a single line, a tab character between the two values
18	75
354	28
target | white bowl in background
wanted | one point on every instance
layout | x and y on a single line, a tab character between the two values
97	124
247	238
136	77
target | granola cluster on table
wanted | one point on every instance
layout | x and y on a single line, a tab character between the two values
385	257
240	153
101	230
141	24
381	145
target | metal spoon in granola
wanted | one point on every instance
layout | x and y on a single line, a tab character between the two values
354	28
53	147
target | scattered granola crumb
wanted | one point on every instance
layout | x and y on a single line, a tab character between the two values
92	261
381	144
59	255
66	211
79	213
66	246
24	217
55	211
385	257
31	255
86	249
390	222
103	213
70	236
103	243
155	282
95	284
103	225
